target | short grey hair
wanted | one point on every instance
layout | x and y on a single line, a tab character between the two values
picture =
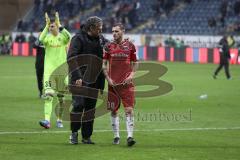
92	22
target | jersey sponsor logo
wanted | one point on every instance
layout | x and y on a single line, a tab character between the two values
119	55
55	46
126	48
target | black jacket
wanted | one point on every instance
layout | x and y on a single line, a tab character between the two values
224	48
40	54
84	46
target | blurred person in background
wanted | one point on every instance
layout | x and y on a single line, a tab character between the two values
8	42
170	42
39	64
31	41
224	58
20	38
1	43
5	43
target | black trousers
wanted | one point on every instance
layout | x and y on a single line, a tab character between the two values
82	115
39	73
223	63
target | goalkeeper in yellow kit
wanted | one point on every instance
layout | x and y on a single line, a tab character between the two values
55	39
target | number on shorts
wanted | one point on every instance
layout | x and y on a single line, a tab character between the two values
111	105
48	84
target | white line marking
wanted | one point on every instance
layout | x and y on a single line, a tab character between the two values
145	130
20	76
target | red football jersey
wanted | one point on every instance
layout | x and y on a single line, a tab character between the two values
120	57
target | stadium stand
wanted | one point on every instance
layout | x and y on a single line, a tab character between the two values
68	10
132	13
164	30
193	19
182	17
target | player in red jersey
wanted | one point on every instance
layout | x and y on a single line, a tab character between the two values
119	66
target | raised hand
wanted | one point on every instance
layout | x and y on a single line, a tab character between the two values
47	19
57	20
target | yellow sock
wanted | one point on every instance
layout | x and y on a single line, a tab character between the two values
48	108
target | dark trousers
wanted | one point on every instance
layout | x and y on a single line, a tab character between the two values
223	63
82	115
39	73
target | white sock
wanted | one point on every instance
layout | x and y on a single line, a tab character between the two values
130	125
115	126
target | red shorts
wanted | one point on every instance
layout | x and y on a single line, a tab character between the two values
124	93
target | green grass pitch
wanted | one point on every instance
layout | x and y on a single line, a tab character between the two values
189	129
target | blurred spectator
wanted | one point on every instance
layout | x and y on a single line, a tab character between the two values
20	25
5	43
20	38
182	43
31	38
170	42
212	22
1	43
179	43
31	41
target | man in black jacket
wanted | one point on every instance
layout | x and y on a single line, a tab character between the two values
39	65
224	58
85	62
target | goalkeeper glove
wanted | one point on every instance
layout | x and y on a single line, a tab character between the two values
47	19
57	20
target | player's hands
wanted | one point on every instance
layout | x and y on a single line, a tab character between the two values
57	20
47	19
79	82
128	80
110	81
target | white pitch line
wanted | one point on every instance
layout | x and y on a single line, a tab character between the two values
150	130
